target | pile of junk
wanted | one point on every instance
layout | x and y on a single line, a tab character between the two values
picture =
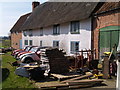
35	70
80	69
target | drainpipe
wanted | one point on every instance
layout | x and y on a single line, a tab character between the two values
118	72
92	36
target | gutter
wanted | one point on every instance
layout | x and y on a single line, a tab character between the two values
104	12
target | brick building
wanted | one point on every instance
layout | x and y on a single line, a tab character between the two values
15	39
106	27
16	33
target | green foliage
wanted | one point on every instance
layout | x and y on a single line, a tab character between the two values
12	80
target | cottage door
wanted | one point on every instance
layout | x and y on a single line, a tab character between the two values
20	44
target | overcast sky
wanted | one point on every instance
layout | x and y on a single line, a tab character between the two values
11	10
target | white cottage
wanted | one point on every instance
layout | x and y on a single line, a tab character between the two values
65	25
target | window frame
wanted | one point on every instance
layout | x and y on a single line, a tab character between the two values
73	46
25	41
75	27
55	44
41	43
30	43
56	29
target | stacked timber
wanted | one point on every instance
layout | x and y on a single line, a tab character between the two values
78	82
57	61
75	84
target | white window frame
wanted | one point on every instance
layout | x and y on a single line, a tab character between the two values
56	44
56	29
31	42
25	41
75	27
73	46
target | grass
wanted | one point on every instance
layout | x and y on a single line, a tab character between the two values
10	79
5	43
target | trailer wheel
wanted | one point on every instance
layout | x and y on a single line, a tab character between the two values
28	60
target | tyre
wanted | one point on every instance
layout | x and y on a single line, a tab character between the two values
28	60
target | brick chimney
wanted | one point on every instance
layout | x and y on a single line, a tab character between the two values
35	4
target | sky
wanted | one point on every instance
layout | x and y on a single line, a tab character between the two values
10	12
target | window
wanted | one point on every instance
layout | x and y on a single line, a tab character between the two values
30	42
26	42
56	44
16	33
41	43
41	32
74	46
56	29
25	33
30	33
75	26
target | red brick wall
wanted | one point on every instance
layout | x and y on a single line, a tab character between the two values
15	39
103	21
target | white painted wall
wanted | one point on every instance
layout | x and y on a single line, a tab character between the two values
65	36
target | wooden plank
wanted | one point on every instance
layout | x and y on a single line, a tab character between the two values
74	84
79	86
84	82
34	66
80	77
62	77
57	85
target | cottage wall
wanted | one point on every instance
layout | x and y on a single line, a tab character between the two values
64	38
15	40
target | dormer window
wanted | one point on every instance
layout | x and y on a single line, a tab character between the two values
25	33
30	32
16	33
41	31
56	29
75	26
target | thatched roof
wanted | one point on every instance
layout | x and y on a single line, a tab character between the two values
19	23
51	13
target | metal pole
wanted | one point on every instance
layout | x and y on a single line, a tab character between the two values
118	74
